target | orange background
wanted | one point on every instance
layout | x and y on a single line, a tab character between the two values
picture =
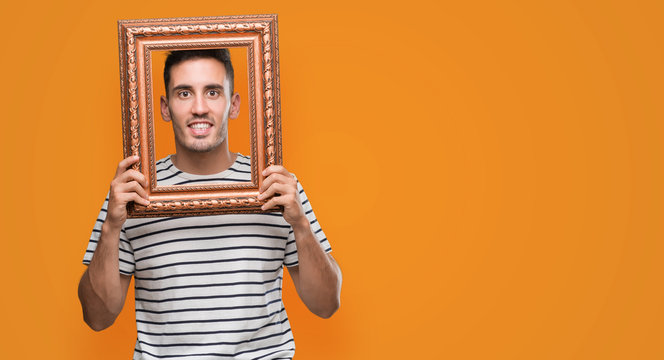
489	173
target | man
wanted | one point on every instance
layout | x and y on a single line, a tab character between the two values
207	286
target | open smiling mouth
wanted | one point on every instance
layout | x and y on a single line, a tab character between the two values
200	128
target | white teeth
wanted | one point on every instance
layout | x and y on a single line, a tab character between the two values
199	126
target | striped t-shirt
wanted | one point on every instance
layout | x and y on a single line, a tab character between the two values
209	287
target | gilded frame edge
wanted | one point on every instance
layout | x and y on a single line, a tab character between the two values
137	127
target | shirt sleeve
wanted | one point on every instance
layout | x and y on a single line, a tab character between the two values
291	258
126	253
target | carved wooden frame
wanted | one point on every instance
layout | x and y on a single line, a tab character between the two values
136	39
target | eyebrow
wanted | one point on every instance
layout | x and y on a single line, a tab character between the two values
188	87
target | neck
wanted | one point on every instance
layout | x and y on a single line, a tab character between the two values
204	163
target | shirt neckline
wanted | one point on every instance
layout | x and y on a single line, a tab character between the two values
220	175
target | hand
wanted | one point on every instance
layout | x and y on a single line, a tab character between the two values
127	185
283	186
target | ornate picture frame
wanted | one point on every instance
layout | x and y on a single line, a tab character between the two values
137	39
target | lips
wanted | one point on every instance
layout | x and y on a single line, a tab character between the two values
199	128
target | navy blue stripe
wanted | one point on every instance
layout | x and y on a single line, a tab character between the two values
217	237
211	180
151	222
305	202
210	320
166	168
213	238
210	250
211	285
218	343
220	354
170	176
274	352
209	309
163	160
206	262
240	171
212	226
243	163
271	214
126	262
158	220
214	332
209	273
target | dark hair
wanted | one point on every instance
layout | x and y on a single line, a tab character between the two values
176	57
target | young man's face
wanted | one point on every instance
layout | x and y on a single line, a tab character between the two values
199	104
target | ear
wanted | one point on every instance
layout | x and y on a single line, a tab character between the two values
235	106
165	114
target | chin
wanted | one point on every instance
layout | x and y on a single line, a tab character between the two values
203	148
199	145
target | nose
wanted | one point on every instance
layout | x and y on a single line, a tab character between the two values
200	106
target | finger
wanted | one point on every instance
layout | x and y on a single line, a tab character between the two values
277	179
274	189
125	163
139	200
132	175
125	198
271	204
275	169
119	191
284	200
132	186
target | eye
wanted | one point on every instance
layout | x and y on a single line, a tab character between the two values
184	93
213	93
